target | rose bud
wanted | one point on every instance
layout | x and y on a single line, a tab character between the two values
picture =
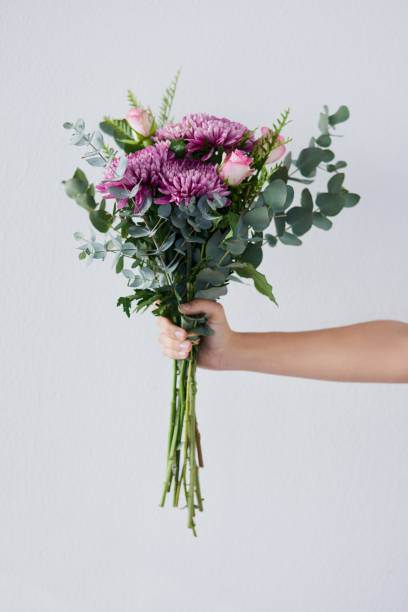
279	149
140	120
236	167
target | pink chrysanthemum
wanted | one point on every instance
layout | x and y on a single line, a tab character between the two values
144	166
203	132
181	179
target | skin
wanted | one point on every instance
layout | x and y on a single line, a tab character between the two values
374	351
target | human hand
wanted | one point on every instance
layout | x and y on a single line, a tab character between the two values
213	349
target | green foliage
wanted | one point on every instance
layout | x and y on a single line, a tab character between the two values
133	102
247	270
101	220
167	101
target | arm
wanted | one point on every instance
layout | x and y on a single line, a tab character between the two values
375	351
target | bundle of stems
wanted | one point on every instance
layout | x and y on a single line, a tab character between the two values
184	458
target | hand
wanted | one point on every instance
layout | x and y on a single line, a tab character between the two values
213	349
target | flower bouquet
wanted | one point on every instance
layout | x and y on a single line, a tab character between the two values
184	209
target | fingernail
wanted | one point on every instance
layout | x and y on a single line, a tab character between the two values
184	346
179	334
186	306
182	354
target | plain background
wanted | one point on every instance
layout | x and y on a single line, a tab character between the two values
305	482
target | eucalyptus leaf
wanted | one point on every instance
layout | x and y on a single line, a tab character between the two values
335	183
321	221
253	254
306	199
212	276
330	204
212	293
342	114
236	246
258	218
289	239
271	240
300	219
351	199
275	195
309	159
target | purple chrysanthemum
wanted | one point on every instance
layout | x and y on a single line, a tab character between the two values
143	167
203	132
182	179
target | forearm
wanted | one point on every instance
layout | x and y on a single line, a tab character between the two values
376	351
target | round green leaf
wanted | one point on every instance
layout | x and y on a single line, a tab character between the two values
324	140
327	156
258	218
330	204
252	254
300	219
309	159
290	239
342	114
271	240
275	195
280	224
335	183
236	246
321	221
306	199
289	197
351	199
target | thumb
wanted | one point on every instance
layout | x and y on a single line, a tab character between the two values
213	310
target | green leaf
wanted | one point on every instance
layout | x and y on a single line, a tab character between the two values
101	220
309	159
178	146
300	219
167	100
213	293
306	199
211	276
342	114
213	249
289	197
260	282
290	239
86	200
275	195
323	123
77	184
119	265
253	254
271	240
335	183
321	221
351	199
258	218
82	255
324	140
280	224
236	246
330	204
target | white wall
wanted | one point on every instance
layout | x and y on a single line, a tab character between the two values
305	484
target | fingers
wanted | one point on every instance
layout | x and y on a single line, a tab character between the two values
174	348
169	329
214	310
173	339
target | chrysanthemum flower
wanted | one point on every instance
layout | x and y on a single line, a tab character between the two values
203	132
143	167
181	179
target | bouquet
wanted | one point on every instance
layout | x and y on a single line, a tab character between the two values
186	207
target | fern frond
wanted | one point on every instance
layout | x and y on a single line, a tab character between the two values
167	101
121	127
132	99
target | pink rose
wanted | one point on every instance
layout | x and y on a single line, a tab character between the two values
140	120
236	167
278	151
